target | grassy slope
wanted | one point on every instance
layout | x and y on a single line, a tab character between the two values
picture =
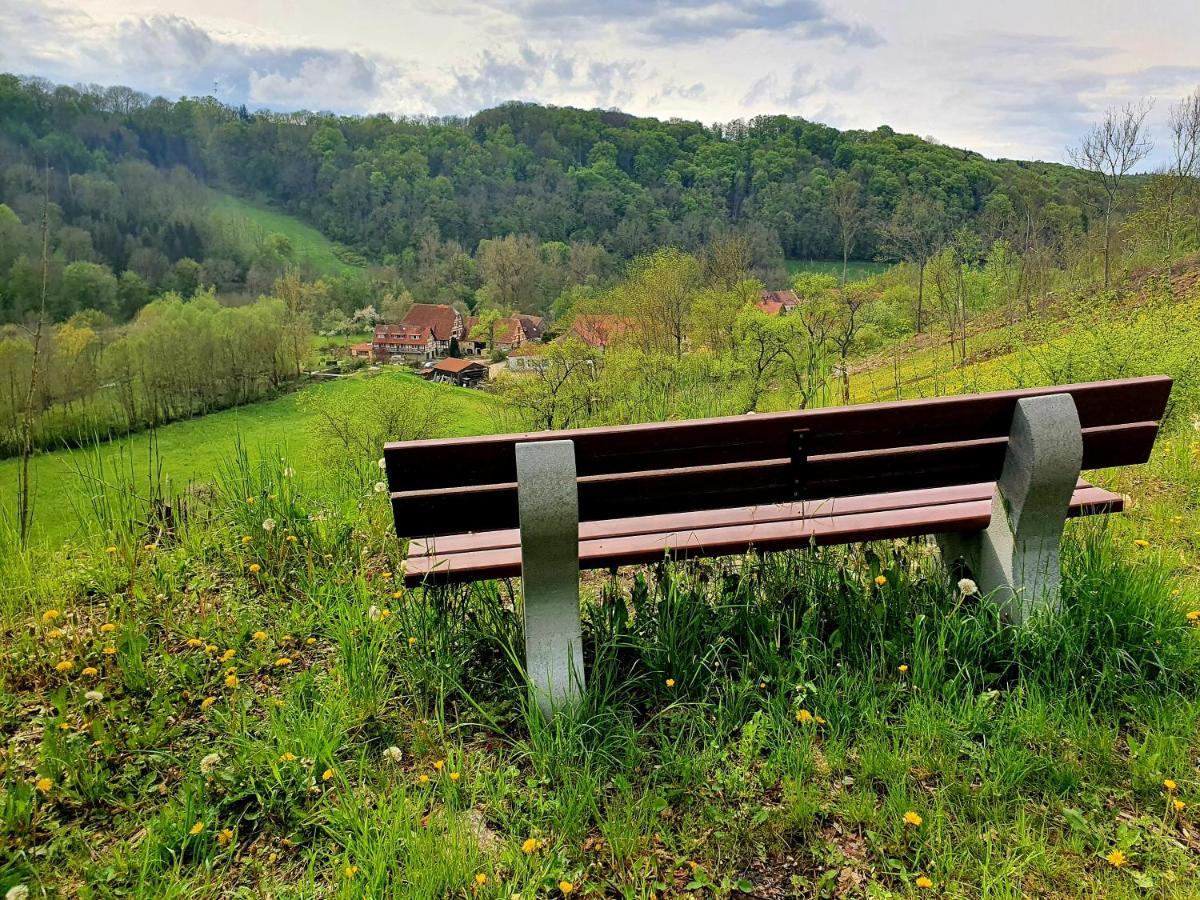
194	450
309	244
857	270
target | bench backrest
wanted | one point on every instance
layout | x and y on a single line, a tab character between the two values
459	485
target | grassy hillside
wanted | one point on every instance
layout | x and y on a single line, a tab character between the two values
254	221
193	451
857	270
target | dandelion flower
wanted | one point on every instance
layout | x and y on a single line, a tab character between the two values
228	655
382	463
350	871
55	633
259	635
454	776
107	628
150	548
803	716
423	778
197	828
207	702
566	887
209	763
1141	543
397	595
255	568
110	651
17	892
1169	785
380	487
904	668
393	754
195	642
374	614
50	615
327	774
913	818
231	681
291	539
412	642
480	878
210	648
246	539
1178	805
880	580
268	525
1194	615
64	666
531	845
924	883
287	757
385	575
93	696
310	641
43	785
439	764
283	661
110	550
250	501
90	671
224	837
1117	858
967	587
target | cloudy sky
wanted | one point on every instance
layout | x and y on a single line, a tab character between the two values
1019	78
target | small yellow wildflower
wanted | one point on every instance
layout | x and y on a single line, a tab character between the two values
924	883
210	648
913	818
195	642
350	871
110	550
228	655
1194	615
439	764
110	651
207	702
903	668
803	716
107	628
310	641
64	666
818	720
90	671
283	661
150	548
287	757
1169	785
1117	858
197	828
291	539
396	595
670	682
454	776
225	836
531	845
412	642
231	681
55	633
255	568
1141	543
1178	805
43	785
880	580
250	500
327	774
566	887
480	878
50	615
385	575
246	539
259	635
423	778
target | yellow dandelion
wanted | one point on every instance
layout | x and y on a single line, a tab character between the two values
291	539
385	574
818	720
531	845
259	635
904	669
64	666
1178	805
210	648
287	757
1141	543
207	702
327	774
150	548
310	641
110	550
454	776
396	595
1169	785
412	642
228	655
50	615
246	539
566	887
1194	615
924	883
350	871
439	764
480	878
250	500
231	681
197	828
195	642
423	778
43	785
1117	858
670	682
90	671
803	716
880	580
55	633
110	651
107	628
225	836
283	661
913	818
255	568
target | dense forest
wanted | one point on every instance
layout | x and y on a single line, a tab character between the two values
577	191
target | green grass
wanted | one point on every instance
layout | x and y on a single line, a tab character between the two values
256	221
857	270
193	451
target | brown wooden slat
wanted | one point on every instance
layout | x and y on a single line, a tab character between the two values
494	506
419	465
732	539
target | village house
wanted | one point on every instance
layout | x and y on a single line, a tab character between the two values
527	358
403	343
598	330
361	351
443	321
504	335
463	372
778	303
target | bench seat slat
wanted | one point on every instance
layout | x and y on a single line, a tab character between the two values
490	507
721	532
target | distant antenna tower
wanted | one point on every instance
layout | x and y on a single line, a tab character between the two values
216	88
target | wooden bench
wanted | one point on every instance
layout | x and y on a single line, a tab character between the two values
993	476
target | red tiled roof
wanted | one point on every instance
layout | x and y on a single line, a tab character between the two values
533	326
598	330
454	366
364	347
437	317
504	331
770	307
786	299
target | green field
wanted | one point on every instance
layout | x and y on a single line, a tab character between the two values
193	451
256	221
857	270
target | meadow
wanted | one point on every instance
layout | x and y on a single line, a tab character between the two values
856	270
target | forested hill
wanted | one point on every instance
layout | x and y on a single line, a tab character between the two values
127	173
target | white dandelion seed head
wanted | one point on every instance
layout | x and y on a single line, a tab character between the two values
374	614
393	754
94	696
268	524
380	487
967	587
17	892
382	463
210	762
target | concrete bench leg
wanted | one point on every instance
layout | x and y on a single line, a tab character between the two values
1016	560
549	514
